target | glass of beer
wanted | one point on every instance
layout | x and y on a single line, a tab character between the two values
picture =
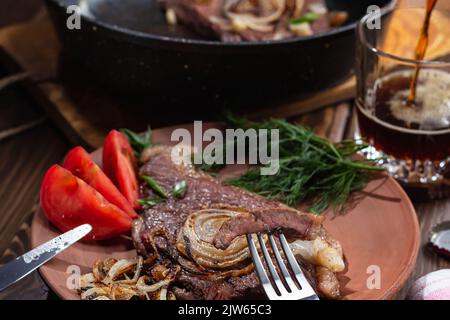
403	91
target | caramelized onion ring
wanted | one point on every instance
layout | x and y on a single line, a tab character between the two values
214	275
195	240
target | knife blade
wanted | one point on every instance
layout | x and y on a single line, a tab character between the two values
22	266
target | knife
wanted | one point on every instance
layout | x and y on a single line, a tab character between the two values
22	266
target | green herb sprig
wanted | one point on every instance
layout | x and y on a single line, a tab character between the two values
139	142
150	202
155	186
312	169
178	191
307	17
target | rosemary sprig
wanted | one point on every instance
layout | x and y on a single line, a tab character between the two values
312	169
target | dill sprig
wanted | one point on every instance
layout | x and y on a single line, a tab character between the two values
312	169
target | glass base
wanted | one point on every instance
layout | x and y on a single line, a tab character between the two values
410	172
422	180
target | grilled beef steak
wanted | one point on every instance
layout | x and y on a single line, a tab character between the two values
164	230
248	20
290	221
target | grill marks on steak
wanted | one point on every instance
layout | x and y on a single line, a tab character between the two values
290	221
198	15
159	226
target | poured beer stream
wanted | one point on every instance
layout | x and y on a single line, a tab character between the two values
421	50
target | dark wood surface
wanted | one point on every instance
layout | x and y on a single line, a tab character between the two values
26	155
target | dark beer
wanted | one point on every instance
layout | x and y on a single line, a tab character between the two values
421	49
421	132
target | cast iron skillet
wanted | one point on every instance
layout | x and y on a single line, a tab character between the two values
127	45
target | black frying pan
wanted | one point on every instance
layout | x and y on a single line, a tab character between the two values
127	45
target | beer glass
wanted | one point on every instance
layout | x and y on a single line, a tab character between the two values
410	139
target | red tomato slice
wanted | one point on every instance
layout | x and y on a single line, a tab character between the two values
68	202
80	164
119	164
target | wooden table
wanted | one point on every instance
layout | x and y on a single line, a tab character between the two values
26	155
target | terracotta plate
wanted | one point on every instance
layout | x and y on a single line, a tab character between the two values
380	237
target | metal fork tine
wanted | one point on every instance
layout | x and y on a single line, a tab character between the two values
276	278
294	288
261	272
291	284
306	287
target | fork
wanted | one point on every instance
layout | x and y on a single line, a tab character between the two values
283	286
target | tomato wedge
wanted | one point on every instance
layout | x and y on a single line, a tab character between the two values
119	164
80	164
68	202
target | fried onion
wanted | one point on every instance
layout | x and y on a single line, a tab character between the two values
123	280
320	253
120	267
244	21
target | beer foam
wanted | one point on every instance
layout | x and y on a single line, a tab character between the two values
433	99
